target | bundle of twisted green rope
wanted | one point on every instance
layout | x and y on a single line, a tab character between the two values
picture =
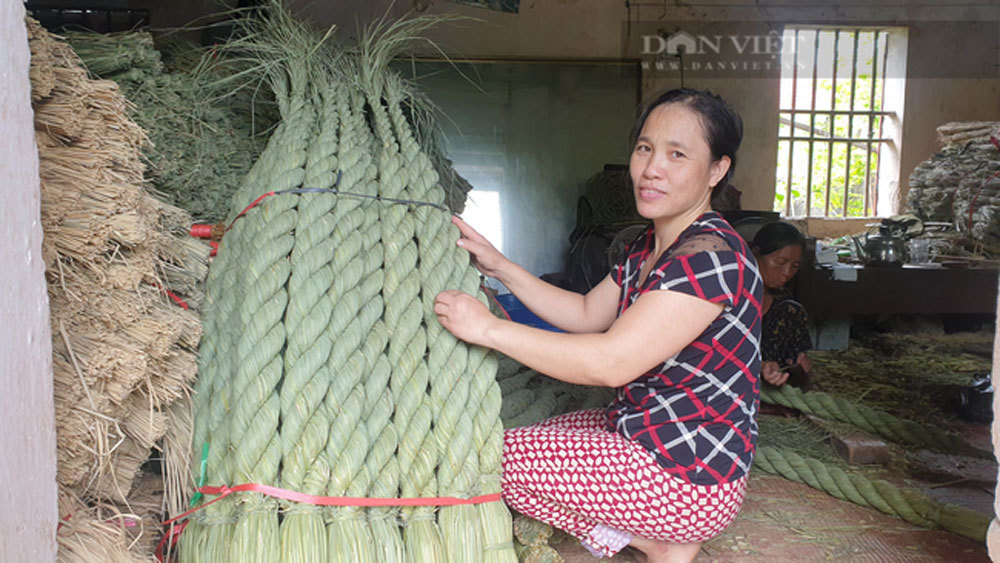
205	132
323	369
909	504
529	396
834	407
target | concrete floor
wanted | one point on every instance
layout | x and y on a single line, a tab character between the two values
786	521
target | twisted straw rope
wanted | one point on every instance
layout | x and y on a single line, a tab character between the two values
214	389
255	414
417	452
380	462
866	418
304	417
466	424
326	359
357	309
456	401
909	504
488	440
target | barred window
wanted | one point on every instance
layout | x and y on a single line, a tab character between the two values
839	121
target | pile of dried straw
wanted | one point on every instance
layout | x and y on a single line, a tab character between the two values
961	183
124	354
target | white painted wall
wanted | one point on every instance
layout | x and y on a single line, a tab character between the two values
28	512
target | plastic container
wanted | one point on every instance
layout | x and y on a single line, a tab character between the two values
521	314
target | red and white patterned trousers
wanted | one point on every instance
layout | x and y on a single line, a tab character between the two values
572	473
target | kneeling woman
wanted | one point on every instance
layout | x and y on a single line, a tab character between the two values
674	327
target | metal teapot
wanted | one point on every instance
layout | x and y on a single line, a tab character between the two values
881	249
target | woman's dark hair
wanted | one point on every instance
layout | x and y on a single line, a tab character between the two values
723	126
775	236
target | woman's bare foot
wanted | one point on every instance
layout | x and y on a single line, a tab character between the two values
665	552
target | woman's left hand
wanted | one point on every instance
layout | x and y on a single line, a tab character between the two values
463	315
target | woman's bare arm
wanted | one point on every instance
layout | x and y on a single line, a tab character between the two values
657	326
570	311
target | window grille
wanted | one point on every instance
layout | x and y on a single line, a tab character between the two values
832	122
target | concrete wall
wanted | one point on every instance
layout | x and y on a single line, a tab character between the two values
498	127
28	512
596	29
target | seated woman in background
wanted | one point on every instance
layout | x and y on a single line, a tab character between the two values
778	248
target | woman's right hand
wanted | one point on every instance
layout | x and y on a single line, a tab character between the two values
772	373
485	257
463	315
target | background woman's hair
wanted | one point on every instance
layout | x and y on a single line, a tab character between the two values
723	126
775	236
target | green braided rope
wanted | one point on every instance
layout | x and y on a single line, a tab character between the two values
447	359
533	541
488	440
517	401
417	452
218	417
488	434
356	309
531	532
529	396
221	316
244	407
348	532
214	391
359	353
878	422
254	418
305	418
241	359
326	371
192	546
379	462
909	504
544	405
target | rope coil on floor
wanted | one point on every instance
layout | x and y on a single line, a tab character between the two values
833	407
909	504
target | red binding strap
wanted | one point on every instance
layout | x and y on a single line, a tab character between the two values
224	491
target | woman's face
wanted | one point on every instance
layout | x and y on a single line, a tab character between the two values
671	166
780	266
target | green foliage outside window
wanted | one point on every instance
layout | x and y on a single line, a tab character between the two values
833	164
